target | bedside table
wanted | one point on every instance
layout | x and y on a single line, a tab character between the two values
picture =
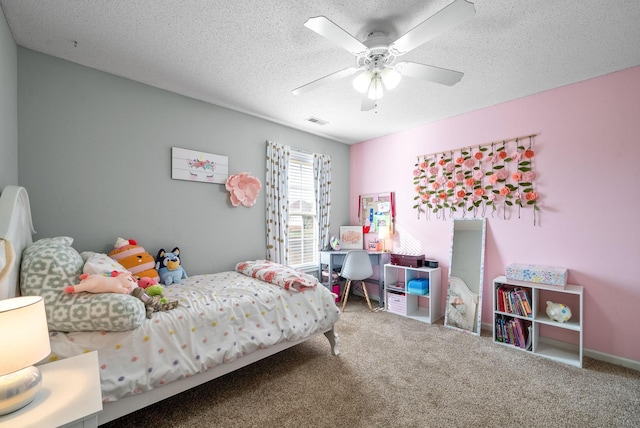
70	396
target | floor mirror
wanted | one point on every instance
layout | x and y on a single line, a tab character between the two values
466	272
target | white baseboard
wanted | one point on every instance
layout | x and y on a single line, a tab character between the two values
619	361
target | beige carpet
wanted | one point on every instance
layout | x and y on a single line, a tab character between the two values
396	372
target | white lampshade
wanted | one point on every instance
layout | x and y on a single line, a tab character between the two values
390	78
362	81
375	89
24	341
383	232
24	334
383	235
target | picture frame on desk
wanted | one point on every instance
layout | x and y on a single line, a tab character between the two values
351	237
371	242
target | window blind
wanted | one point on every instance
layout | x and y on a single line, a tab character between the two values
303	224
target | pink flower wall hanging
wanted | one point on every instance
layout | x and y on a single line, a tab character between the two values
243	189
494	176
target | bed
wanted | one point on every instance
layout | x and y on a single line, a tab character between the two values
223	321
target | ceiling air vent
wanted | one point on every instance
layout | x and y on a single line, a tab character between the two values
316	121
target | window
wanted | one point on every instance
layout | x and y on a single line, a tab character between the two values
303	224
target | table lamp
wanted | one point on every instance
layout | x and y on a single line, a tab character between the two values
383	235
24	340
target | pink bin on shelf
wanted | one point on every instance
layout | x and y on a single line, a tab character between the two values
396	303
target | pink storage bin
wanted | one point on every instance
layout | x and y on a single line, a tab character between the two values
335	288
397	303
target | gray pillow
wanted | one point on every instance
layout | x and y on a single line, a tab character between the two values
49	265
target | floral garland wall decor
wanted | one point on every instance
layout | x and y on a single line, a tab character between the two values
491	177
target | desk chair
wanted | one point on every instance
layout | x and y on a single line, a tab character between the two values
356	267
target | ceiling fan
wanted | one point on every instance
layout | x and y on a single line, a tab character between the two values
376	57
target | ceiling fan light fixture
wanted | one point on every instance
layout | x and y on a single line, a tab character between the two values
375	88
390	78
376	66
362	81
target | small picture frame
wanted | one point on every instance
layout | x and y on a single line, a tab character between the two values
371	241
351	237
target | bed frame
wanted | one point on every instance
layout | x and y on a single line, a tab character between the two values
16	230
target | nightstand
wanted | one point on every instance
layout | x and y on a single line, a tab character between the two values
70	396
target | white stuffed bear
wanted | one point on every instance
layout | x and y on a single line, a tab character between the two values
558	312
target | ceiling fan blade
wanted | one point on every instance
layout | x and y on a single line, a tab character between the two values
429	72
367	103
324	80
337	35
449	17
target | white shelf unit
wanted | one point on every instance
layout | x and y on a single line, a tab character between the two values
550	339
425	308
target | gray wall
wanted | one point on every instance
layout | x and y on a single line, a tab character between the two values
95	157
8	106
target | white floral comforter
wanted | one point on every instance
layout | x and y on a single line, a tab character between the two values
220	318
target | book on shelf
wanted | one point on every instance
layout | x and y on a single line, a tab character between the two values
514	300
503	299
513	331
521	342
513	336
523	300
498	328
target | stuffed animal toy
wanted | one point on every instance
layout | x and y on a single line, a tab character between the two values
169	267
146	282
134	258
153	303
114	282
156	290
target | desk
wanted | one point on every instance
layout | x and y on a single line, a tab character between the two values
334	259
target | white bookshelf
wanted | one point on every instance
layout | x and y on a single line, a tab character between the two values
559	341
422	307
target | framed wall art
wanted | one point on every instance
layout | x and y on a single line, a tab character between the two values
198	166
351	237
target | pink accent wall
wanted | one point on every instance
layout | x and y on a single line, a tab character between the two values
588	168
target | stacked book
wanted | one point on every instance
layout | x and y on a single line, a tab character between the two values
513	331
513	300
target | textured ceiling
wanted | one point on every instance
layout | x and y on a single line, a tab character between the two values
248	55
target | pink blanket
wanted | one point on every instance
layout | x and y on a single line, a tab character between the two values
277	274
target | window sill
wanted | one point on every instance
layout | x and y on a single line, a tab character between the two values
311	269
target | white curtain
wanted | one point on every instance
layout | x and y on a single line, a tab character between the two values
277	201
322	183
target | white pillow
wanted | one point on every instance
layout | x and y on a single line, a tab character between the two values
100	263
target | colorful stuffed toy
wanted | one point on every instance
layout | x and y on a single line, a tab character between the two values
134	258
169	267
156	290
114	282
154	303
146	282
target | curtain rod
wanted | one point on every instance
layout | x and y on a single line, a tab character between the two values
481	145
302	151
292	148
